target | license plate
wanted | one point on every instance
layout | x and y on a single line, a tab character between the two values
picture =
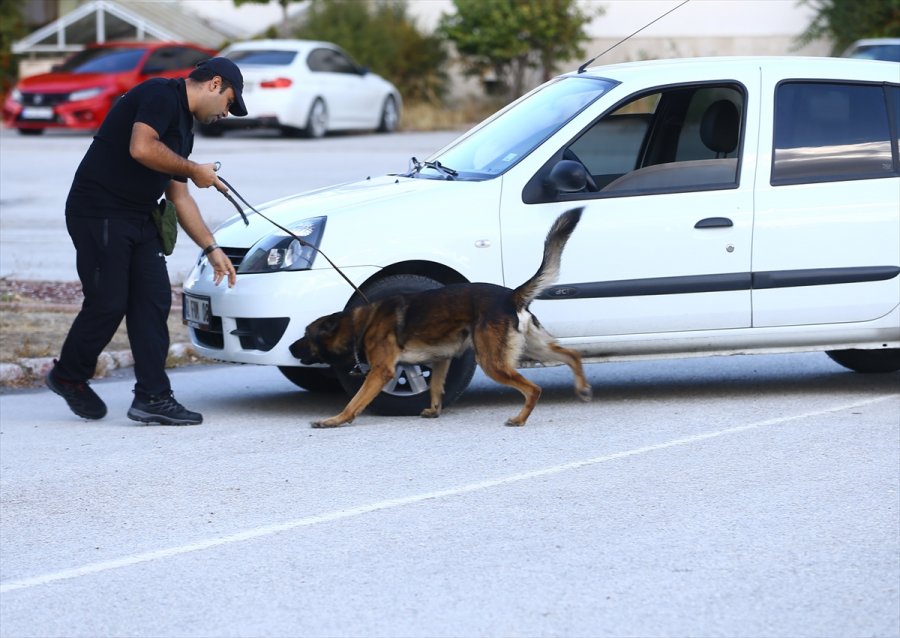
195	311
37	113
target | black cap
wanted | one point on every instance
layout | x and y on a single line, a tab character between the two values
229	71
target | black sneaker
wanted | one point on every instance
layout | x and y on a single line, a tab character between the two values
162	409
78	394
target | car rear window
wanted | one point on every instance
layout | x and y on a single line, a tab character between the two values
263	57
831	132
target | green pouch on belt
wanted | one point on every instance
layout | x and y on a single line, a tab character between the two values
167	224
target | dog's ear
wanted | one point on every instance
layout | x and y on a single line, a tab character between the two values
330	325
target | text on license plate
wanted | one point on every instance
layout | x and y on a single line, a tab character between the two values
37	113
195	311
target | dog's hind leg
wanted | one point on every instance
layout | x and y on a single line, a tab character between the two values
439	371
541	346
531	391
500	373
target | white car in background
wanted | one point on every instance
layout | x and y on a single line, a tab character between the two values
886	49
731	205
309	88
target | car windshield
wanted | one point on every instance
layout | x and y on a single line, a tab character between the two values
505	138
103	60
263	57
886	52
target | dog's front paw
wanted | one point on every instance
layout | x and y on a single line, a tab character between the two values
514	422
585	394
430	413
327	423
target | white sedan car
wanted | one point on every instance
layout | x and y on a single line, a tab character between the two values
731	205
305	87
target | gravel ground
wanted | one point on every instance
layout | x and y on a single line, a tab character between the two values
35	317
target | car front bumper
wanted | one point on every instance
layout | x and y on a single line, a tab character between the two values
258	319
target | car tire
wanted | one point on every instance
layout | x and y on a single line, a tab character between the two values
409	392
30	131
321	380
390	116
868	361
317	122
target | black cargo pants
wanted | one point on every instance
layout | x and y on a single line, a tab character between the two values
122	270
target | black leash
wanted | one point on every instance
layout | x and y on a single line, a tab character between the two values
302	241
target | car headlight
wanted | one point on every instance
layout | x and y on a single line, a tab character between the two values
280	251
85	94
16	95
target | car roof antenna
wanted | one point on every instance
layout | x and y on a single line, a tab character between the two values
584	66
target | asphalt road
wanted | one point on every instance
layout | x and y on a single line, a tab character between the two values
36	173
733	496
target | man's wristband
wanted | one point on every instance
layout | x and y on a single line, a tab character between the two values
210	248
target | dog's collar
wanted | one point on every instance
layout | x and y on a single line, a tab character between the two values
357	370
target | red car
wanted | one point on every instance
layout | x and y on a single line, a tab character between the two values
79	93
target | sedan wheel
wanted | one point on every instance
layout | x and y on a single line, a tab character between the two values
390	116
408	393
317	123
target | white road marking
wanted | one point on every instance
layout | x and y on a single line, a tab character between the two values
268	530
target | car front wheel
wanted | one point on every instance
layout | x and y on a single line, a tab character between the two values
868	361
408	393
312	379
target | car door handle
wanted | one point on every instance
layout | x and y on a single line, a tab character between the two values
714	222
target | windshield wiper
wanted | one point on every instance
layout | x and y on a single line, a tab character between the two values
416	166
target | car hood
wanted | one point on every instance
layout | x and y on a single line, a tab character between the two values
353	198
64	82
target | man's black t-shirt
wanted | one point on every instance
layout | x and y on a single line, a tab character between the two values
109	182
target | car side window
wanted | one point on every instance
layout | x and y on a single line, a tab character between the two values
162	60
831	132
680	139
331	61
188	58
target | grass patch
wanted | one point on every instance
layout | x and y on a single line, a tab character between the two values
421	116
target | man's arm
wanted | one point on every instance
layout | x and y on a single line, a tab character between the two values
191	221
146	148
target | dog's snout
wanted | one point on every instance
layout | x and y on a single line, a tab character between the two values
301	350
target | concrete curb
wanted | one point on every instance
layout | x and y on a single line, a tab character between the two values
31	371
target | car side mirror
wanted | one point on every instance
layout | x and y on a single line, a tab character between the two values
567	176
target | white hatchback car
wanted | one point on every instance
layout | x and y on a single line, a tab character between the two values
731	205
305	87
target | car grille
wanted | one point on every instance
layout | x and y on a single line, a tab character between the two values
44	99
260	334
236	255
211	338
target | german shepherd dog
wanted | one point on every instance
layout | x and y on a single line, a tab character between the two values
437	325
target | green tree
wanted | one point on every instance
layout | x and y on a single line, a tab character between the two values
845	21
382	36
12	27
508	37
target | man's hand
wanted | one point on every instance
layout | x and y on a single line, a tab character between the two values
204	176
222	266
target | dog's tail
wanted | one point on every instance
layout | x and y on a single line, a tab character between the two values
548	272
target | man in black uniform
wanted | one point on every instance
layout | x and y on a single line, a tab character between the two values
139	152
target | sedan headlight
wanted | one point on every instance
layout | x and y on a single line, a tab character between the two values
16	95
280	251
85	94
